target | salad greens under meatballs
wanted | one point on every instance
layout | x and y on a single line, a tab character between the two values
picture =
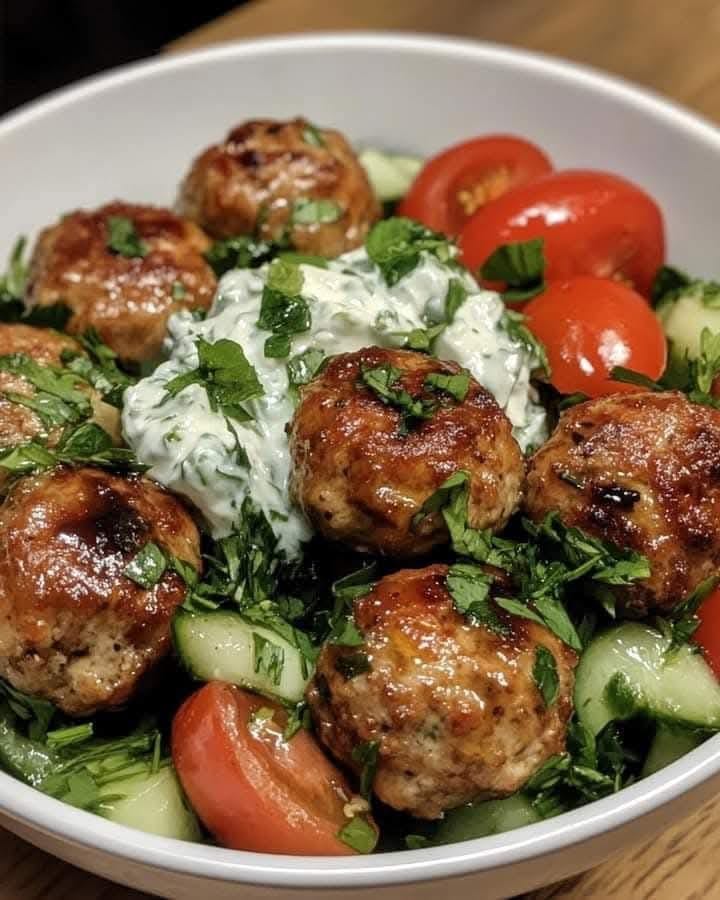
326	531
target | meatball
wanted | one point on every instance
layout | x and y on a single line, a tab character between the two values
266	178
74	628
18	422
361	471
641	470
125	286
453	706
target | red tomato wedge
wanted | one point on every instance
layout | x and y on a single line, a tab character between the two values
708	634
457	182
588	326
592	223
252	789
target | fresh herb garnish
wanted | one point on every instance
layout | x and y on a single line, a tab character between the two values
226	375
312	135
308	211
668	283
241	252
72	734
382	381
469	586
58	400
456	385
514	324
545	674
269	657
396	245
521	265
123	238
423	339
303	367
147	567
98	366
366	755
299	717
683	621
359	834
282	310
35	712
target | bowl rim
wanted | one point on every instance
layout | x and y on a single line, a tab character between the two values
41	813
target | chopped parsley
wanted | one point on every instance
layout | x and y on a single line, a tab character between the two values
312	135
303	367
423	339
98	366
241	252
359	834
683	621
269	657
298	718
382	381
147	567
226	375
456	385
396	245
521	265
283	311
469	586
545	674
366	755
307	211
123	238
58	399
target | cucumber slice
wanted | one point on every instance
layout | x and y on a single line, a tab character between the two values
685	318
482	819
222	645
668	745
390	174
152	802
628	670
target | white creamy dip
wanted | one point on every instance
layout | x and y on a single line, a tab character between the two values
191	449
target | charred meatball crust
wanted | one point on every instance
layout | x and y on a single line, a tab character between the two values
20	424
361	481
641	470
126	299
453	706
250	182
74	628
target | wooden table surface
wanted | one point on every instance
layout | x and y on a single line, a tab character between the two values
672	46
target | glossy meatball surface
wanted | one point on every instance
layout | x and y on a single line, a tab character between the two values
259	179
361	475
454	706
126	298
641	470
74	628
19	423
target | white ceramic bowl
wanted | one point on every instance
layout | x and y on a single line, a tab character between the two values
132	134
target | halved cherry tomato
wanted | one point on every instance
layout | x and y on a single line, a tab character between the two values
251	788
457	182
592	223
708	634
588	326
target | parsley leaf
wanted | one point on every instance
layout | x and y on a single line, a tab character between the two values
395	246
99	368
628	376
366	755
14	282
514	324
359	834
226	375
240	252
303	367
521	265
668	283
147	567
422	339
469	586
307	211
545	674
684	621
123	239
312	135
442	496
382	380
282	310
456	385
34	711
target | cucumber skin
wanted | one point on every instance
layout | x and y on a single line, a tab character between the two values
482	819
182	616
663	675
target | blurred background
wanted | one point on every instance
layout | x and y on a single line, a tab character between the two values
45	44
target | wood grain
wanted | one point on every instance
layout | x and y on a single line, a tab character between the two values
671	46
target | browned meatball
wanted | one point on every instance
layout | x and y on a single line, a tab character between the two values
257	181
127	299
641	470
361	480
73	627
454	706
20	424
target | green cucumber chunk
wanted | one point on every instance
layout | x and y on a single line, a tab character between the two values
151	801
630	669
223	646
389	173
668	745
685	317
485	818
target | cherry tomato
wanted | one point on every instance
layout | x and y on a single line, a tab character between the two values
592	223
588	326
457	182
708	634
251	788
